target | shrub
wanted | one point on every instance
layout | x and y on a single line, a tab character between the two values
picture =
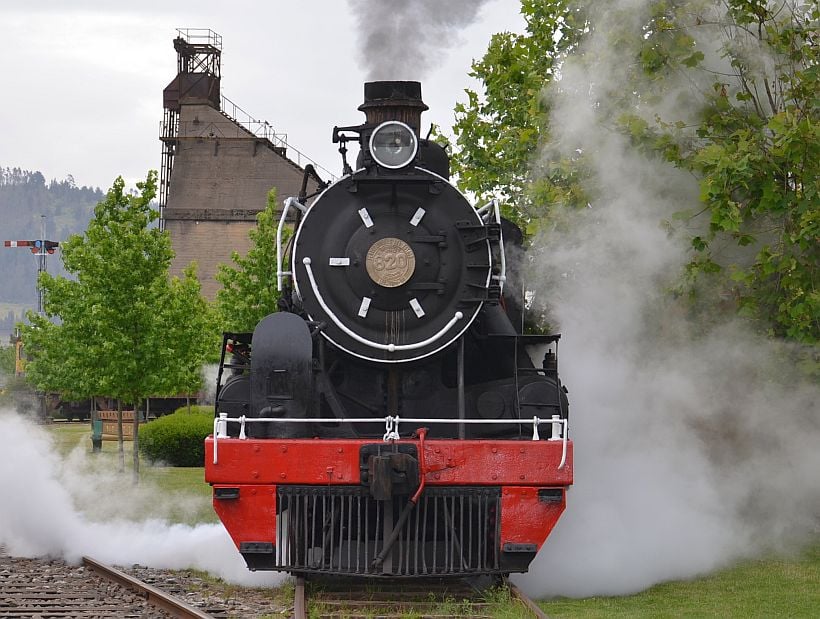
197	408
178	439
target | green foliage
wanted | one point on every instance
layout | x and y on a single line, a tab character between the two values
7	360
107	340
196	409
750	135
499	131
249	291
188	322
126	331
178	439
17	395
755	149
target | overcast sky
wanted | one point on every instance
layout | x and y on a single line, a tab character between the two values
82	80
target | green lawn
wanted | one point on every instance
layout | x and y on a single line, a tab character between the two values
67	436
188	495
772	587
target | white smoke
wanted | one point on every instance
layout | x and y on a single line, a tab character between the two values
209	372
42	514
400	39
695	445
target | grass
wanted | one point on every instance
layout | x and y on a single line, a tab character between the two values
183	485
772	587
496	602
67	436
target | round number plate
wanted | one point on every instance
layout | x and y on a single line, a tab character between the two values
390	262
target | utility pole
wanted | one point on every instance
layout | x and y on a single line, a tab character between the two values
41	248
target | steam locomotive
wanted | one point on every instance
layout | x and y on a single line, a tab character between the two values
388	420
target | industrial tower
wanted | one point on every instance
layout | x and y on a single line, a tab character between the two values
218	163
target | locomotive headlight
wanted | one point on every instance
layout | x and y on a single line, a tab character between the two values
393	145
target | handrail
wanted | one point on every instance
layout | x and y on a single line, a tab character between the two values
263	129
289	202
200	35
485	212
558	432
388	347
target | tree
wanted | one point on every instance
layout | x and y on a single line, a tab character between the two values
6	361
110	339
747	71
63	357
249	291
499	132
189	325
755	149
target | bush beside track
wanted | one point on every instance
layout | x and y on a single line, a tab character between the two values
178	439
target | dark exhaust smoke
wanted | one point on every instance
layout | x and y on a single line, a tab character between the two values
401	39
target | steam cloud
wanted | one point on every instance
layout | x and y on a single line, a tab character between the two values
400	39
694	445
64	509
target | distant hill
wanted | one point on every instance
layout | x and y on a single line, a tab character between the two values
25	197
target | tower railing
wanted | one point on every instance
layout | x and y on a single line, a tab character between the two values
263	129
169	132
201	36
199	50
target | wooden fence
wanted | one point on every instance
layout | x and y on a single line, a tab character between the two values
109	425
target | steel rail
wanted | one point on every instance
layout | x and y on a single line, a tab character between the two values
156	597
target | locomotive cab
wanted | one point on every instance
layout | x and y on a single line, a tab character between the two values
389	421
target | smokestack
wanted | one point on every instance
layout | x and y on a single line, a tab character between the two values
393	100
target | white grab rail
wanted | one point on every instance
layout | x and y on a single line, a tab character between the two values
388	347
490	209
557	425
290	202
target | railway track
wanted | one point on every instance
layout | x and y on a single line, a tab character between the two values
52	589
156	597
326	598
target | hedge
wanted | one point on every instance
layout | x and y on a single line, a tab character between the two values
178	439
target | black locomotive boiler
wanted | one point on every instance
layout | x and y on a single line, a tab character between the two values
388	419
